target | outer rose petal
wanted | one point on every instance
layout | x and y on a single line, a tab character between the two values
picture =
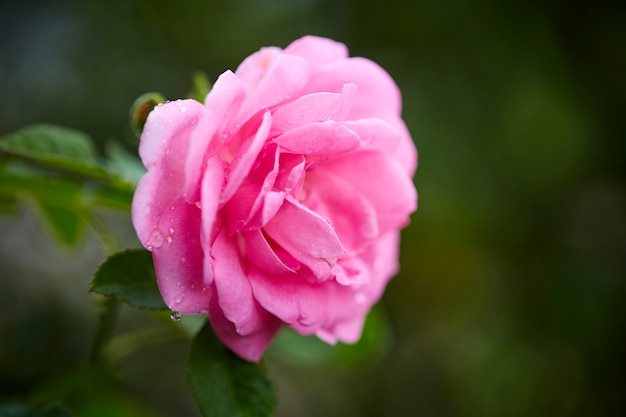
249	347
221	103
382	181
306	306
163	146
282	81
177	254
377	93
317	51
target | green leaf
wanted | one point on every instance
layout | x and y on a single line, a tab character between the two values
65	223
129	276
124	165
55	147
58	200
226	385
23	410
200	87
8	201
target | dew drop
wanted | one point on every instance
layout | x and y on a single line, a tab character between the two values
156	239
198	204
169	239
181	106
178	299
171	230
175	316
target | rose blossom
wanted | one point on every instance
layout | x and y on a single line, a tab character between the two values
279	201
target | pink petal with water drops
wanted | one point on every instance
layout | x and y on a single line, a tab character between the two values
325	138
221	104
285	77
253	68
312	108
178	256
163	147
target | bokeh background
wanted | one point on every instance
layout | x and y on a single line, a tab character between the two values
510	301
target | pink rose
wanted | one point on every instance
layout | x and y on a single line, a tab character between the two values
279	201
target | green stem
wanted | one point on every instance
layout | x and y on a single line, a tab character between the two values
109	307
106	324
129	343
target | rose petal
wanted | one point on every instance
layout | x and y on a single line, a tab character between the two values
352	215
316	107
305	306
290	173
178	257
222	101
233	289
250	347
306	236
163	148
260	253
382	181
405	152
325	138
167	122
251	194
375	134
254	67
282	81
246	156
377	94
347	331
317	51
212	184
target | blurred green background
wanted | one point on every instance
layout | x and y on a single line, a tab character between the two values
511	297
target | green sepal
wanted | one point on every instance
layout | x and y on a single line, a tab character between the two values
141	108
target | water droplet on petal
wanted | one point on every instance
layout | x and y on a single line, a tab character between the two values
181	106
169	239
171	230
198	204
175	316
179	299
156	239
